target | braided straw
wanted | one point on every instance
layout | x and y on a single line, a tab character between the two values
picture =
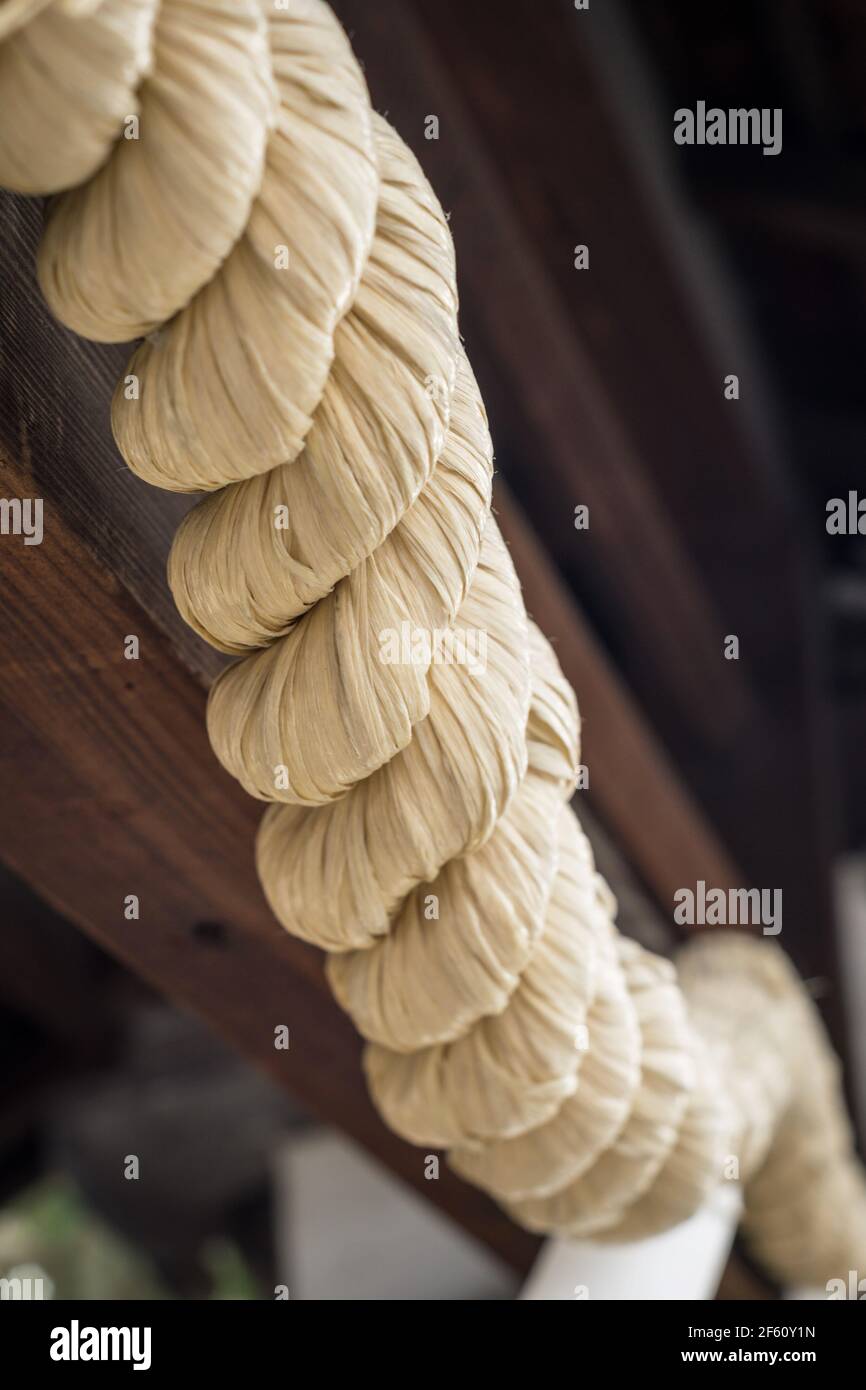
291	275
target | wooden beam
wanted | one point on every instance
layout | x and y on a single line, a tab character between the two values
543	386
632	782
112	790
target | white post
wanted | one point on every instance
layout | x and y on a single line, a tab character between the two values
684	1263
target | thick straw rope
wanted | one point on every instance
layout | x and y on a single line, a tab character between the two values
567	1071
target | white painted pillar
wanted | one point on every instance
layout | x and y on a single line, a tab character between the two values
684	1263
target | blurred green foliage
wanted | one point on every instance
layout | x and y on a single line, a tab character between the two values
50	1231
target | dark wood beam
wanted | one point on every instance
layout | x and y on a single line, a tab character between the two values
111	790
545	389
632	783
